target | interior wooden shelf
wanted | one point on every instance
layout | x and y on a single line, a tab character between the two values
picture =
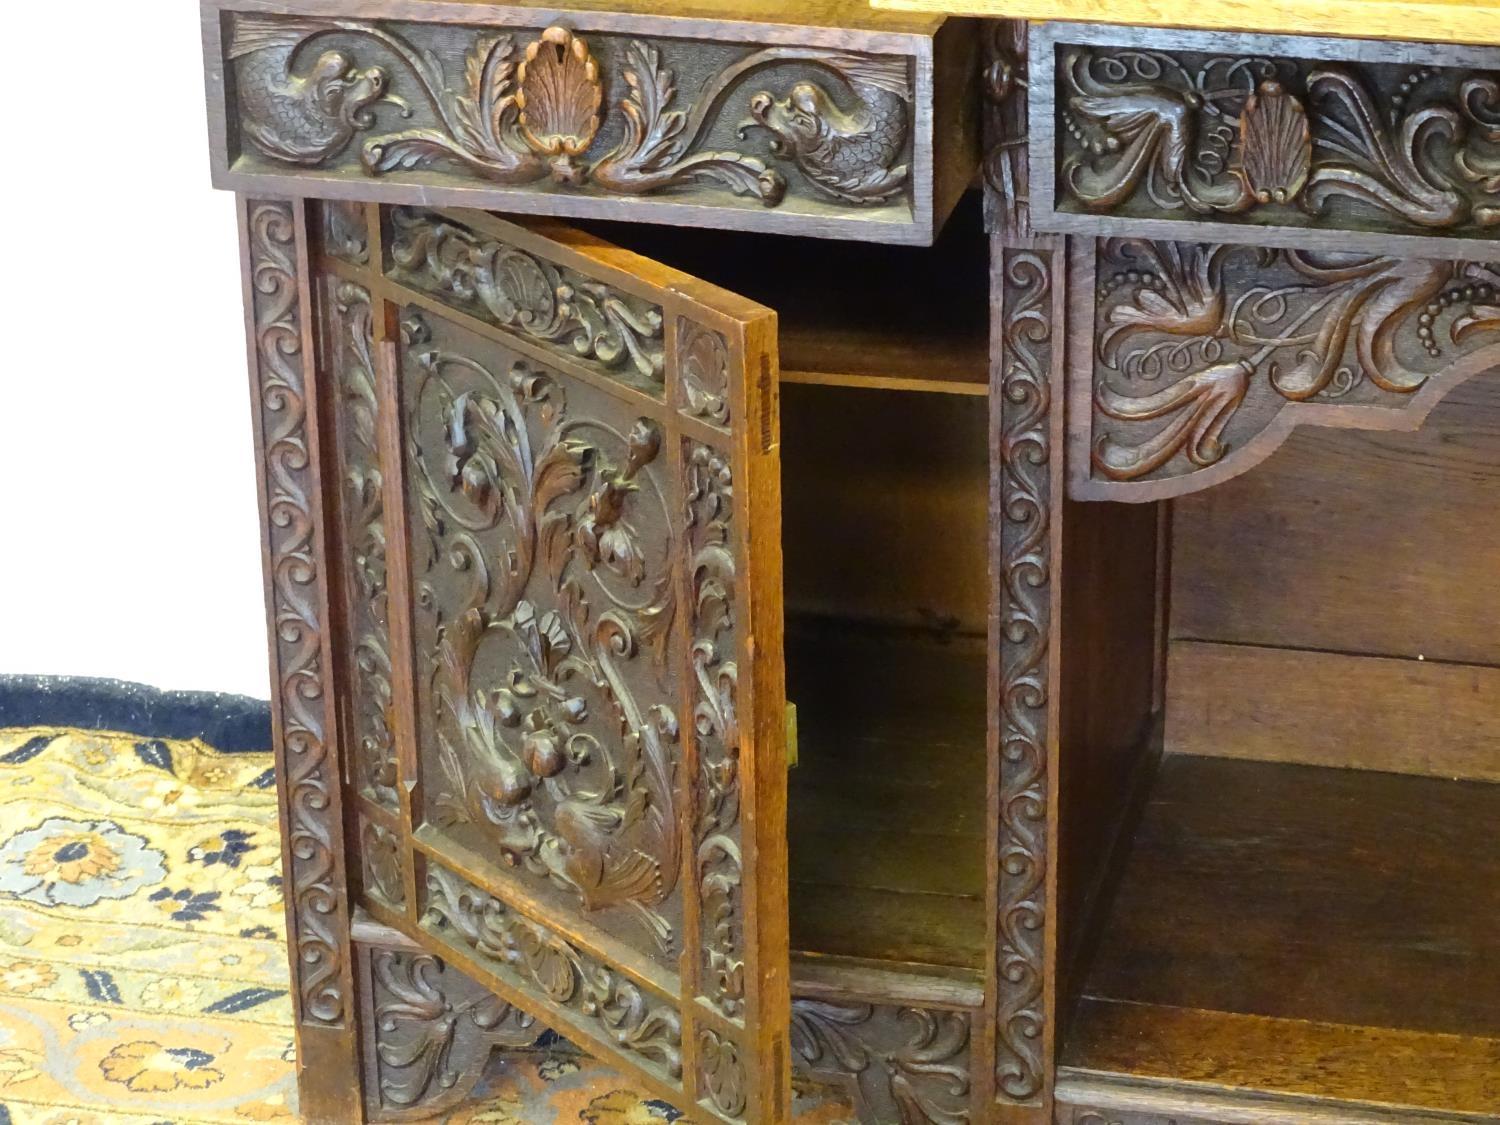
887	803
1304	930
851	314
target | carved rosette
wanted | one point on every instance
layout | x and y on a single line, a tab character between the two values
432	1033
580	317
1301	142
1207	355
531	104
523	953
308	773
902	1065
1025	279
369	697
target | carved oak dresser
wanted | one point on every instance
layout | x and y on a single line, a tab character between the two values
949	560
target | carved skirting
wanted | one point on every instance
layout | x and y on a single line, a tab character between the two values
1203	358
1264	139
901	1065
429	1034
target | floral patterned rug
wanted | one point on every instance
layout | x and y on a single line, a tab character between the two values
142	972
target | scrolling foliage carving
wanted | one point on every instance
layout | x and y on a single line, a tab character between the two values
1199	348
1025	279
710	497
537	105
434	1030
310	777
643	1027
584	318
545	602
1178	134
903	1065
370	700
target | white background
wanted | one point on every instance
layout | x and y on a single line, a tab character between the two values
129	545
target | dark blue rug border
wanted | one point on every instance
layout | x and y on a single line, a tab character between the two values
231	723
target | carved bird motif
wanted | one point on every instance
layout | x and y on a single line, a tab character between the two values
854	154
301	117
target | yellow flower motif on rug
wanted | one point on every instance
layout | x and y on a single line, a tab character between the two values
143	975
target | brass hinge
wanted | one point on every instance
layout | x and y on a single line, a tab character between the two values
791	736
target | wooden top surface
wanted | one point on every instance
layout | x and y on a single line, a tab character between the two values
854	15
1440	21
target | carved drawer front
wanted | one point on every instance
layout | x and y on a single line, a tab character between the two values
1271	140
863	129
1193	362
559	526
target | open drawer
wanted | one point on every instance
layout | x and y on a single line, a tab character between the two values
822	119
590	539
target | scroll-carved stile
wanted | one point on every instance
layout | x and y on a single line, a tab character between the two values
1300	134
308	767
598	114
1206	356
367	684
901	1065
1026	272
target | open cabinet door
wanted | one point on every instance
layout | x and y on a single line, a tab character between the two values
569	776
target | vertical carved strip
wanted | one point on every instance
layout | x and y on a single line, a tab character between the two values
1025	273
317	919
274	245
1026	569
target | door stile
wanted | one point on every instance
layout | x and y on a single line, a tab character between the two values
288	443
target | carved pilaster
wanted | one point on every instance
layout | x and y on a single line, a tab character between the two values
1026	349
274	243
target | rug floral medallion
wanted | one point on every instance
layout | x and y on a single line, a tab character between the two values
143	976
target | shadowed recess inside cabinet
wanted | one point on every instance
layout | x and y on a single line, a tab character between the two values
1306	900
856	314
885	476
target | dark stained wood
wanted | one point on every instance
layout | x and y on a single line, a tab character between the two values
1291	927
1334	709
859	315
467	104
1400	1070
1385	544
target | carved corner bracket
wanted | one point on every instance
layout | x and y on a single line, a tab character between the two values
1203	358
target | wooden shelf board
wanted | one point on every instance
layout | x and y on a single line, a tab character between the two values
853	315
1293	928
885	816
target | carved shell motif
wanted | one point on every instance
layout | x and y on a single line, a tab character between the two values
1275	144
559	96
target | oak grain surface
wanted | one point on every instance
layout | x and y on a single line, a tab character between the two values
1438	21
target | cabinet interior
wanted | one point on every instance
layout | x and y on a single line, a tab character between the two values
885	478
1304	896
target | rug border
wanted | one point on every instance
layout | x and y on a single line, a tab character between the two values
233	724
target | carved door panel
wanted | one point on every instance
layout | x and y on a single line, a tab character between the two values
585	617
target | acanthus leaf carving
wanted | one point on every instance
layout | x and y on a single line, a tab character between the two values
519	115
903	1065
1204	346
1196	135
640	1025
544	600
433	1031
